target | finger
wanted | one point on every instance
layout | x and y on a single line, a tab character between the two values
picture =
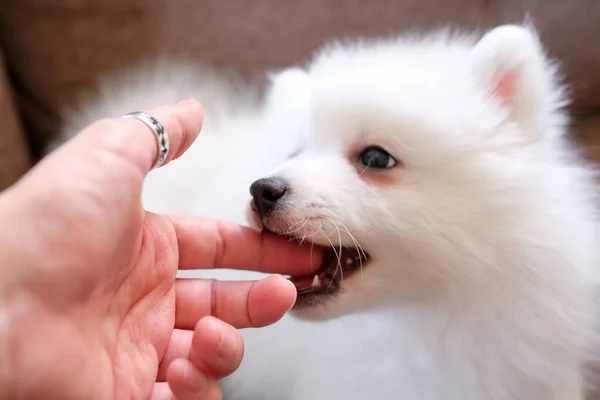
180	344
208	243
102	152
188	383
133	139
162	391
242	304
217	348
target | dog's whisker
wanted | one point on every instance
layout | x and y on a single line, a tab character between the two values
302	221
306	235
317	231
312	244
364	170
335	226
341	248
303	237
358	247
296	223
339	259
401	143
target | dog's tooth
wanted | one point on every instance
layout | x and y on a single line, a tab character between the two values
316	282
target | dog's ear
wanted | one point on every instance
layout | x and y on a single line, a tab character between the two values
510	63
289	88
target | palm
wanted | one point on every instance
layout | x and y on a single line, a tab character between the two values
145	316
92	286
140	297
122	266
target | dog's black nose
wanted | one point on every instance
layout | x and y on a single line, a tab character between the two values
266	192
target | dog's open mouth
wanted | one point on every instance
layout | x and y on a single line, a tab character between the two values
338	264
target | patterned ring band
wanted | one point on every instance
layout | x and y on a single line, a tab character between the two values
162	139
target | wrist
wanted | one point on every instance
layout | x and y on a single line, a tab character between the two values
7	376
11	293
24	347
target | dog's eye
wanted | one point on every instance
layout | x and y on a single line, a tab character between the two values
376	157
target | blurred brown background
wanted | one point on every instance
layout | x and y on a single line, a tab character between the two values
52	50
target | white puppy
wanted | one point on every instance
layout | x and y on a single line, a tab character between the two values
461	228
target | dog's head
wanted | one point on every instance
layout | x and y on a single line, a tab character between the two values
414	162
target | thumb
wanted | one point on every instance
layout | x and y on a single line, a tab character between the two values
102	149
106	163
133	140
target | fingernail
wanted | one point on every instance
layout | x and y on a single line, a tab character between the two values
292	289
188	101
227	344
194	380
282	278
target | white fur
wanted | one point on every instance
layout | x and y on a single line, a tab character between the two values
484	253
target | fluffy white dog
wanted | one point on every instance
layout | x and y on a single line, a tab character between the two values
460	227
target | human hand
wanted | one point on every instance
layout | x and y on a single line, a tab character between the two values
89	304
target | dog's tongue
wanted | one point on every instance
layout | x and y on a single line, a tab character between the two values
302	282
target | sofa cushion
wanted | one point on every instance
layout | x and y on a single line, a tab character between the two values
586	132
14	152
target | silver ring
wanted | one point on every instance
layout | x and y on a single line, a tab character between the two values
162	139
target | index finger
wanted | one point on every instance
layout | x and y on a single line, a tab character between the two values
209	243
182	122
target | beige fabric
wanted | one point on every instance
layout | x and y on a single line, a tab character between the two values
586	132
57	48
14	153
